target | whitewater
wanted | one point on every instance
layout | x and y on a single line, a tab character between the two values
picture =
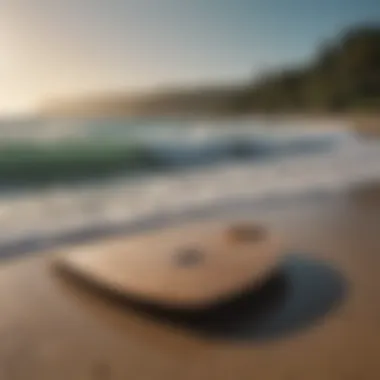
174	166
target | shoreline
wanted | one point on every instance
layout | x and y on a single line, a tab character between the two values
32	245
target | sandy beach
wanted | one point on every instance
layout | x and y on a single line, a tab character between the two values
189	190
318	319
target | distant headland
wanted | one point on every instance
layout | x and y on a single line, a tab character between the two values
343	77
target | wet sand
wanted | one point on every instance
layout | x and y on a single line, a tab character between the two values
318	318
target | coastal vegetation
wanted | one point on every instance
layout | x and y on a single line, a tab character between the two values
343	76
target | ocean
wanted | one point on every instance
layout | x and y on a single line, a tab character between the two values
62	176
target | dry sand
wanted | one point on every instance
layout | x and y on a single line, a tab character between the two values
319	319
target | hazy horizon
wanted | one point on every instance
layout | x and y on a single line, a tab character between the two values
54	48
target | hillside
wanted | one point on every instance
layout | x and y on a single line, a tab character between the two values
345	75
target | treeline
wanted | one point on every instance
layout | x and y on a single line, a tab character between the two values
345	75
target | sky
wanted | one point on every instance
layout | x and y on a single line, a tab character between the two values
63	48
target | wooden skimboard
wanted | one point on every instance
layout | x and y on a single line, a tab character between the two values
188	268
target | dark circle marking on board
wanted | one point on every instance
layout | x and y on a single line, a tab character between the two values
188	257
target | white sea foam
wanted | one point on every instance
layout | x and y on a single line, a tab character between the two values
60	210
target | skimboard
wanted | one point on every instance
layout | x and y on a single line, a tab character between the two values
190	267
